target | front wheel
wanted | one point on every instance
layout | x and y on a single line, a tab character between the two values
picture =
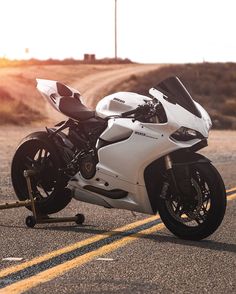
198	215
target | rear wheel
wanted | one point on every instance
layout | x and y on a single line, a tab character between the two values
198	215
48	185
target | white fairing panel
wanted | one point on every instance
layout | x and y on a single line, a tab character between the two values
117	130
205	116
49	90
179	116
117	103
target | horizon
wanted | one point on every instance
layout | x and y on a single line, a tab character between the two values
154	32
110	60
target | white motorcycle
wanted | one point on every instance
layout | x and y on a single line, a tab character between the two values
133	152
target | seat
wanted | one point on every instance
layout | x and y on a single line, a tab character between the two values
75	109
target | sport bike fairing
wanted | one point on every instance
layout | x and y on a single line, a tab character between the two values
134	145
178	117
53	91
131	145
64	99
175	93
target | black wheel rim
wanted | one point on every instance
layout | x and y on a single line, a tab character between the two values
40	159
193	215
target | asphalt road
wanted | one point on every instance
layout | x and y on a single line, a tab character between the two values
114	251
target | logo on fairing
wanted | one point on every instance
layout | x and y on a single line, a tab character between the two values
145	135
119	100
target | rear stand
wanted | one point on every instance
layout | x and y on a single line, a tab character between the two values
36	218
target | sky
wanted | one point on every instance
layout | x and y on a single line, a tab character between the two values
148	31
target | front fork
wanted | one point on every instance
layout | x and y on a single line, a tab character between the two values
179	181
171	179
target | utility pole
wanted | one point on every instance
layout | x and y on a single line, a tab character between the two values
115	29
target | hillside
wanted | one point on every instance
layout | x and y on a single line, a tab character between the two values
213	85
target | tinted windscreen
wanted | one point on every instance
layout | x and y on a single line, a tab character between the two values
178	94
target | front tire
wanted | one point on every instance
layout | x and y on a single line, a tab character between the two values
206	211
39	154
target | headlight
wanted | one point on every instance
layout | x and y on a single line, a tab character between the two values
186	134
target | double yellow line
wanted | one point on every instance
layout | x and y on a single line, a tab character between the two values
51	273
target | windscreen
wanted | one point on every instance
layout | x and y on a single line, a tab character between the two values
177	94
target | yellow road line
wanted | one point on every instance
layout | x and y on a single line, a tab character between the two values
74	246
230	190
52	273
231	197
82	243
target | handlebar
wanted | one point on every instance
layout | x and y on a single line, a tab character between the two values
141	109
127	113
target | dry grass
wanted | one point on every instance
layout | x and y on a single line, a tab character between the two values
13	111
18	113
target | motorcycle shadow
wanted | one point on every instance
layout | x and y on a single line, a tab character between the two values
159	237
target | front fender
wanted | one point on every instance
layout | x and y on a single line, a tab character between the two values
184	156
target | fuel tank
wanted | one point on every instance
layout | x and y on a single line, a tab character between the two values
117	103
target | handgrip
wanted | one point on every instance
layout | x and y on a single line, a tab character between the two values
127	113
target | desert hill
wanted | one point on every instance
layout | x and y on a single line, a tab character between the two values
213	85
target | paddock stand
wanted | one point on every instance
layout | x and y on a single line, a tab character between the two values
36	218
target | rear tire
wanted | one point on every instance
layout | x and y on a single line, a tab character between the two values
209	212
48	186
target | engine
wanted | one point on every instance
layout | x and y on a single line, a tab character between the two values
87	164
84	138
